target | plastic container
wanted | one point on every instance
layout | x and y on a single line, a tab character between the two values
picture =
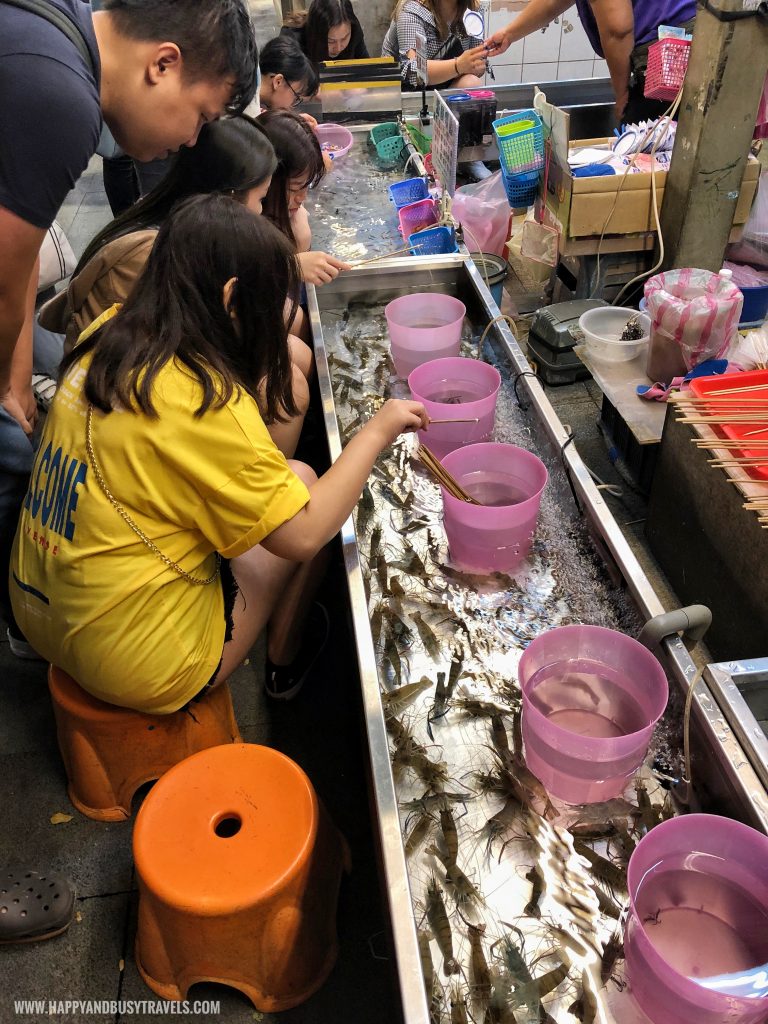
461	388
409	191
390	152
423	326
493	270
520	138
385	130
667	64
433	242
495	536
591	697
744	432
334	139
755	308
417	216
696	940
521	189
603	327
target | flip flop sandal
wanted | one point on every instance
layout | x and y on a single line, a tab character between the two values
33	906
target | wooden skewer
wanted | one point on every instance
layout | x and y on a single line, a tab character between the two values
385	255
730	391
467	419
441	474
761	430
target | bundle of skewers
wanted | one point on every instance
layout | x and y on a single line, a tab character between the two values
732	407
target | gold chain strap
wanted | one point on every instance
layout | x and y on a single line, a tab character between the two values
195	580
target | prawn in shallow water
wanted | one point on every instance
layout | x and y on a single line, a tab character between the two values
397	700
614	950
441	926
427	634
463	890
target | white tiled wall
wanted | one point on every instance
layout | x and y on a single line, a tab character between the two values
562	51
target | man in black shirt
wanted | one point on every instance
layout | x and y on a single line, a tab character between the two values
153	71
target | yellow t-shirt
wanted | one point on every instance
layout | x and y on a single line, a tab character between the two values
88	594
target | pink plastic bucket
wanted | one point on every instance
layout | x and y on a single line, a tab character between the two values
591	697
696	940
456	387
495	536
423	326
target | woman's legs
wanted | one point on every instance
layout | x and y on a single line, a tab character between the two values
301	354
285	433
271	590
466	82
299	326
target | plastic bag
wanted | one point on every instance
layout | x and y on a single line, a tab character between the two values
694	311
532	276
482	210
753	246
750	351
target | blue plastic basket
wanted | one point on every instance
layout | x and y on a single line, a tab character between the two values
433	242
523	150
521	189
409	191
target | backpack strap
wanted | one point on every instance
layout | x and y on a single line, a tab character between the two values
59	20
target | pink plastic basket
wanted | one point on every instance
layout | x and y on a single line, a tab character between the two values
667	64
417	216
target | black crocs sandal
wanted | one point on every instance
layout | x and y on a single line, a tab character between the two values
33	907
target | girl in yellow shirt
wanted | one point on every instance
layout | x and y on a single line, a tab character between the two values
156	469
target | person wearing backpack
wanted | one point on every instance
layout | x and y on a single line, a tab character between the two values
152	72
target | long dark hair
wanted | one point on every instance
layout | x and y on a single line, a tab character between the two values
322	16
298	156
232	155
283	56
176	311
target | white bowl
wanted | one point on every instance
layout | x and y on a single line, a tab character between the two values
602	328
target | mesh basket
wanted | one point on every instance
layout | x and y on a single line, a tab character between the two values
433	242
379	132
521	189
409	191
390	151
422	142
520	138
667	64
416	216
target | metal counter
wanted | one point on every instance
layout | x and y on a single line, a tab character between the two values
351	216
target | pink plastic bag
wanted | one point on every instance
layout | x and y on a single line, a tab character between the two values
482	210
695	310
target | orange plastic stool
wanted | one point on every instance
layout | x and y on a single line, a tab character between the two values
109	751
239	869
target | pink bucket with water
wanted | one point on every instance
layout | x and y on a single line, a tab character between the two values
591	697
696	940
495	536
423	326
461	389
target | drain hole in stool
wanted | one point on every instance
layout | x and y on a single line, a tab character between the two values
228	825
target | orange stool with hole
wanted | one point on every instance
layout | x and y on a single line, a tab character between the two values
239	868
109	751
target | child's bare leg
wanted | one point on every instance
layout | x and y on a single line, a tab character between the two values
301	355
287	621
285	433
269	587
299	325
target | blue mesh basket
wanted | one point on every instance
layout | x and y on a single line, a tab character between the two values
409	191
433	242
521	189
521	150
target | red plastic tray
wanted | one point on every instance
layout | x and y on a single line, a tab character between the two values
703	386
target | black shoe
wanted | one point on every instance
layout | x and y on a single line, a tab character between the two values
283	682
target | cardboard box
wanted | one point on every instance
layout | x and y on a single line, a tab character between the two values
588	207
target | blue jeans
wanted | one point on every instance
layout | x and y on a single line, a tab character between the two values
17	454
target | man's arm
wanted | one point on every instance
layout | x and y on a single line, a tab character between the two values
537	14
616	25
18	261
